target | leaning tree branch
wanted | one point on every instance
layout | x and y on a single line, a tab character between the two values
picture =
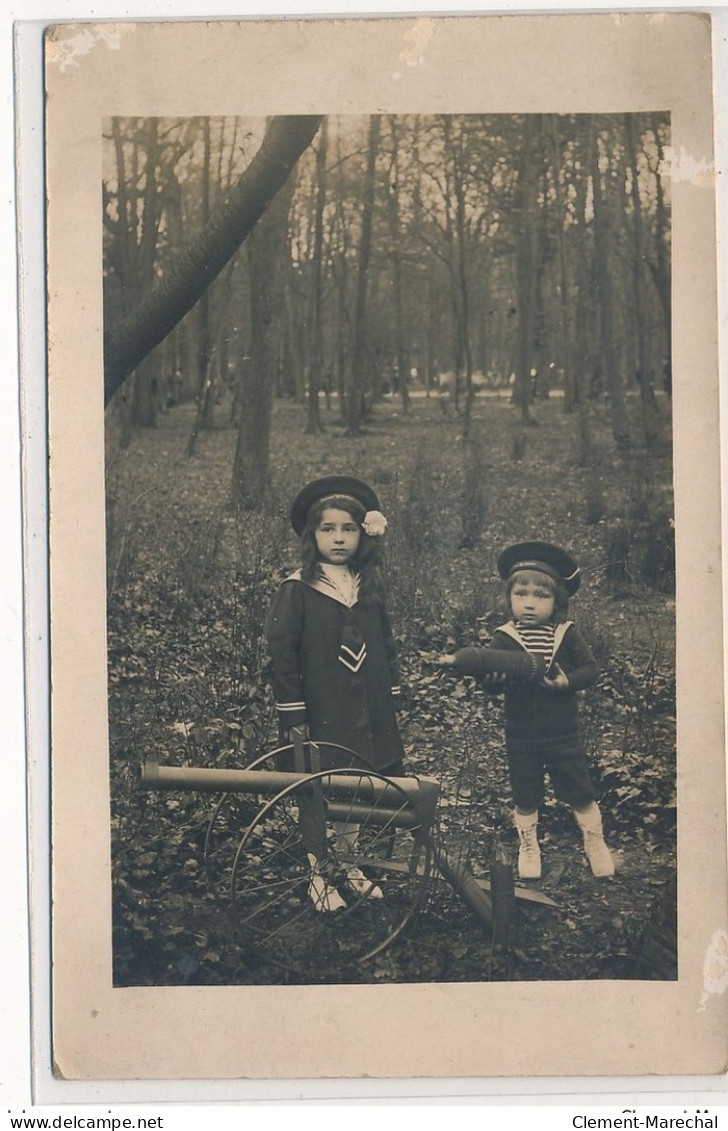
159	311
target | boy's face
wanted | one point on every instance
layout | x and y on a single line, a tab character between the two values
337	536
532	601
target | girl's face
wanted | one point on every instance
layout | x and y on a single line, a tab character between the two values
337	536
532	601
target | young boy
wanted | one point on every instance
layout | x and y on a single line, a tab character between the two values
548	662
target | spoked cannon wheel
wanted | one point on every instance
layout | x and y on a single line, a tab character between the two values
344	756
272	869
234	812
231	815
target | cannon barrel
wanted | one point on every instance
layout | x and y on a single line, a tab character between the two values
400	818
365	788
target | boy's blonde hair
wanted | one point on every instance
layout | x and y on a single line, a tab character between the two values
538	577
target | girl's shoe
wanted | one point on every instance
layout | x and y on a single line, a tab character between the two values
324	896
357	882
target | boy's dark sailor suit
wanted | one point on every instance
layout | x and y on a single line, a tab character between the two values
539	718
541	713
335	668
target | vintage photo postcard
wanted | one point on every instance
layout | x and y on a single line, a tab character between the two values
385	558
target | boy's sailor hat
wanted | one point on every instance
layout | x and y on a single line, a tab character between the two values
545	558
336	487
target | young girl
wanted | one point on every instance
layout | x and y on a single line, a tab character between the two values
333	655
541	714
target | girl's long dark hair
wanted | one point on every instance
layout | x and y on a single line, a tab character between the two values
367	560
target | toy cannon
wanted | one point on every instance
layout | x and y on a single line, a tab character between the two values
291	815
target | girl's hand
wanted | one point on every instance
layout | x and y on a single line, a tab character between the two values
445	661
558	680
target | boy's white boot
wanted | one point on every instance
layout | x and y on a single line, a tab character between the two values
597	853
529	854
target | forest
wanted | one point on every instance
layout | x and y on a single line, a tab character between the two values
473	313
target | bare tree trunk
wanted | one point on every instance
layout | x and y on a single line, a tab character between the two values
267	250
236	407
587	315
525	269
145	396
125	414
343	334
450	228
396	254
355	394
204	414
340	274
137	227
462	279
206	351
316	352
644	377
169	300
123	267
426	307
563	274
662	271
604	290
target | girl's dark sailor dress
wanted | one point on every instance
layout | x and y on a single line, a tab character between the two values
335	669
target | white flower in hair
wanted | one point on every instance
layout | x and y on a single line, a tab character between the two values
374	524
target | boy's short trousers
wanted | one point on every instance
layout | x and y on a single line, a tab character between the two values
568	771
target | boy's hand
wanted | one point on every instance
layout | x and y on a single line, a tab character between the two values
492	679
557	680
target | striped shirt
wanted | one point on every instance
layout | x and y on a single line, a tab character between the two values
538	639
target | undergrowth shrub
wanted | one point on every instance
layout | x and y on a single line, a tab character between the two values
419	523
474	614
628	718
595	500
639	541
658	556
124	536
640	552
628	723
417	518
195	557
474	505
519	444
639	792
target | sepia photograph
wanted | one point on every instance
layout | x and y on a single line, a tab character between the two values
384	524
459	325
